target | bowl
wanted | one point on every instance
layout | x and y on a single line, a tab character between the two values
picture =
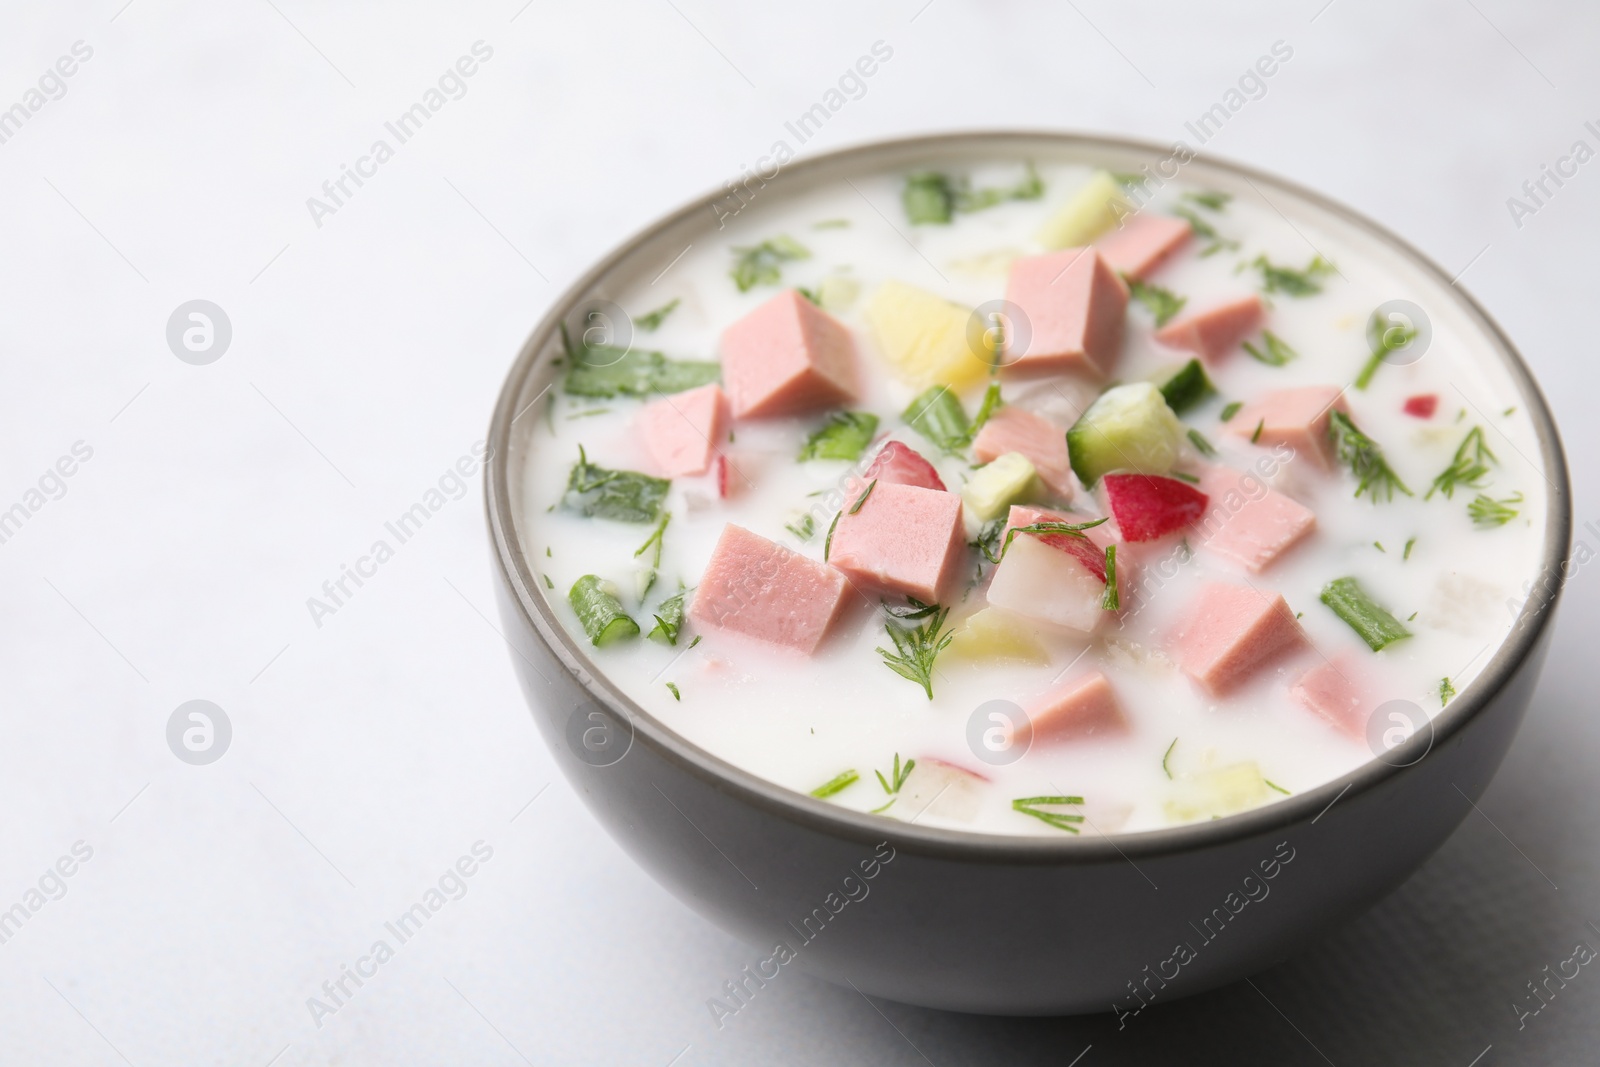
979	922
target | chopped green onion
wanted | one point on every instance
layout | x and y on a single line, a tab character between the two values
1185	386
937	415
1291	282
669	619
673	689
624	496
991	403
845	435
1231	409
1409	546
604	372
1162	303
1259	427
762	264
1274	350
1370	621
600	611
1034	806
837	784
652	321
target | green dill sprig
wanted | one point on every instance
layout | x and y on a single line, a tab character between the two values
1487	512
1291	282
837	784
1209	199
897	778
1035	806
916	647
1167	756
1162	303
762	264
845	435
1365	459
805	529
1383	339
1274	350
1204	447
1469	467
1206	232
1446	691
1274	785
1230	409
1070	529
1112	600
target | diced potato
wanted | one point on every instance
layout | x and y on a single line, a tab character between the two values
995	636
993	488
924	337
1223	791
1093	211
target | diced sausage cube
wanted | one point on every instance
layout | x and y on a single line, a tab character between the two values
1247	522
1328	690
685	431
1142	243
786	357
903	539
1294	417
1083	707
764	591
1232	632
1213	332
1074	306
1014	429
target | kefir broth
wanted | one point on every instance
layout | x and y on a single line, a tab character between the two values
800	721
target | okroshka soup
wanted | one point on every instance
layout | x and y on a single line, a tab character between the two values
1025	497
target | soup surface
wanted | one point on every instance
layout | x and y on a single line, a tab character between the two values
1030	498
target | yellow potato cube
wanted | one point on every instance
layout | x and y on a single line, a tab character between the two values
925	337
994	635
1095	210
1224	791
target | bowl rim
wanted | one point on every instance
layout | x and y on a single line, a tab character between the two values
816	815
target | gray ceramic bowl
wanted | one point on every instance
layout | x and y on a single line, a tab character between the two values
984	923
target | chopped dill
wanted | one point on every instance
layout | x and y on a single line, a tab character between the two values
916	647
1035	806
1291	282
1468	468
1487	513
1274	350
1167	756
1365	459
1162	303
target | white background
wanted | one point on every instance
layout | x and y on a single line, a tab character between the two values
370	753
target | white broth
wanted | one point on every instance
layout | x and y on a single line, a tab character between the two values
1443	567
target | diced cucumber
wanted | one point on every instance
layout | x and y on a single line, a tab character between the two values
992	489
1128	428
1183	385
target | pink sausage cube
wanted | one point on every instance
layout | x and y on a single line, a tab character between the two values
1143	243
1233	631
684	431
904	539
1295	417
1328	690
1213	332
1247	522
1074	306
1083	707
786	357
1014	429
762	590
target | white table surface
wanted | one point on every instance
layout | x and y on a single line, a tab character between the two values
371	752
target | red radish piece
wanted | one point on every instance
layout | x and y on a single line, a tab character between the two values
1081	549
897	464
1423	405
1148	506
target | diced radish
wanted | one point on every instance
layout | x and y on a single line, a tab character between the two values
1085	550
1423	405
899	464
1039	582
1148	506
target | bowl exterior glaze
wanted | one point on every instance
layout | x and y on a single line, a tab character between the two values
981	923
